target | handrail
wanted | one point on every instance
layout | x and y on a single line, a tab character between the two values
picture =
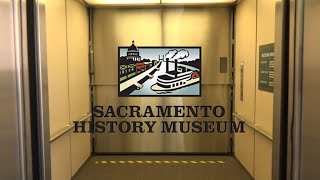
68	128
253	126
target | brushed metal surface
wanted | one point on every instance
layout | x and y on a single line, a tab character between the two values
15	152
291	88
160	142
42	88
280	109
310	139
118	27
295	124
9	132
205	27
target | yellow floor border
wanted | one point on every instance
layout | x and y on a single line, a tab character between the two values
159	162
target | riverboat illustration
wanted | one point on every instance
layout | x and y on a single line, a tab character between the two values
159	71
180	77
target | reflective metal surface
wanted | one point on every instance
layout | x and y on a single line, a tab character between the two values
160	142
208	27
292	66
39	88
14	125
295	143
280	115
310	139
43	92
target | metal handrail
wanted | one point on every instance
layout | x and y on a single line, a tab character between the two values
253	126
68	128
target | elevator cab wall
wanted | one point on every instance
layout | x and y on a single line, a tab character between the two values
254	28
201	26
67	35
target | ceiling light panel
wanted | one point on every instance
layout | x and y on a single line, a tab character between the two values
122	2
197	1
156	2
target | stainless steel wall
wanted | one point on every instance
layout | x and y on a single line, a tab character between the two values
9	122
310	139
14	116
208	27
303	41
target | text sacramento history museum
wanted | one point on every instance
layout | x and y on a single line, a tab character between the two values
167	119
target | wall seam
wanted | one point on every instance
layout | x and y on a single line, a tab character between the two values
68	78
255	94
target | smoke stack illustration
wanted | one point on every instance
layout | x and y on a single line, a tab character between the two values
176	55
167	64
176	67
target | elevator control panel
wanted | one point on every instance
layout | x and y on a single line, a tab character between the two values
266	67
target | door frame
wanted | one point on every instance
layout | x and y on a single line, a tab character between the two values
38	89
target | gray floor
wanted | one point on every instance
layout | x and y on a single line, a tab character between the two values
162	167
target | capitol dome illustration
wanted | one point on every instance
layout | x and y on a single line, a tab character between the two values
133	53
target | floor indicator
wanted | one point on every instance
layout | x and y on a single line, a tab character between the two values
149	162
159	162
185	162
131	162
104	162
113	162
122	162
203	162
194	162
167	162
212	162
175	162
97	162
221	162
139	162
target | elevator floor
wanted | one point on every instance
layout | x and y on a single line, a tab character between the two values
162	167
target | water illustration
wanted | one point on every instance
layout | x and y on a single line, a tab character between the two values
159	71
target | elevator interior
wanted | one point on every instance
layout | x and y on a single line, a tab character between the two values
231	31
165	26
81	46
221	30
